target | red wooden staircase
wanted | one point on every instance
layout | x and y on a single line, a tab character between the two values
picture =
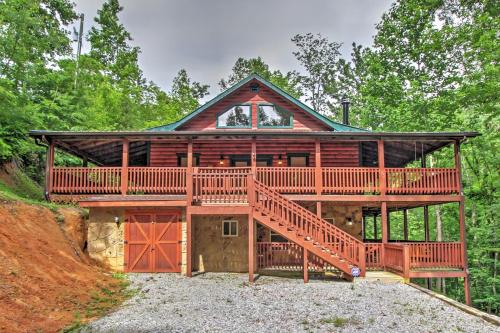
294	222
301	226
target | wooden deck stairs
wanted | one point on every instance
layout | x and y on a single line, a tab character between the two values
299	225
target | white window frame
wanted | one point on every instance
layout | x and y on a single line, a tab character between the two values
230	223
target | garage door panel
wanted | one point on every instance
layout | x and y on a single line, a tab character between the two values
167	259
153	242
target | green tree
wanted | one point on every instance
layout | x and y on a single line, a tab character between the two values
242	68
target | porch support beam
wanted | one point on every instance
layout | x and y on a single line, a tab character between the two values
375	231
461	216
384	218
253	158
251	247
189	173
189	244
405	224
124	176
381	166
305	265
49	169
317	174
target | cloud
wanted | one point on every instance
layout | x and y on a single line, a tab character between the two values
206	37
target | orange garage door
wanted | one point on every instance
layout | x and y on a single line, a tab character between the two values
153	241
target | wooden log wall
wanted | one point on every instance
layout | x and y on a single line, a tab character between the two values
337	154
206	120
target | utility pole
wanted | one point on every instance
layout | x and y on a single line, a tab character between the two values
79	48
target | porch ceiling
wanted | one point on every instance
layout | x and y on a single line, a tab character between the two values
104	148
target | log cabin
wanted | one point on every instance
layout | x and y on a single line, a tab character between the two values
255	180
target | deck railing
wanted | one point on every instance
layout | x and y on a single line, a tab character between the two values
78	180
225	186
290	180
286	256
436	255
422	180
155	180
350	180
420	256
374	252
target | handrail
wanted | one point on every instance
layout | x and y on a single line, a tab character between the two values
309	224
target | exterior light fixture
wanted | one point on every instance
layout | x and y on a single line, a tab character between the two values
117	221
221	161
349	221
280	160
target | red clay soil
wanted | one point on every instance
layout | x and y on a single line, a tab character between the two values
45	278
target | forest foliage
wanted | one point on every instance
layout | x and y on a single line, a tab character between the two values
433	66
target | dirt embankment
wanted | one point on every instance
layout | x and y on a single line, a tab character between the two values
45	277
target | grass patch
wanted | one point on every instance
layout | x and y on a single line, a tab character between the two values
102	300
338	321
8	194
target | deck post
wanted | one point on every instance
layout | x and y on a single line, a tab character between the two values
381	167
189	174
318	181
383	218
362	260
124	176
251	247
253	158
49	170
375	231
406	263
305	265
426	219
463	231
189	241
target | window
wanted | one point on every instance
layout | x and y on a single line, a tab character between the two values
237	116
229	228
264	160
182	160
273	116
298	160
239	160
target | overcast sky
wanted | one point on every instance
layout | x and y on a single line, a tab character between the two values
206	37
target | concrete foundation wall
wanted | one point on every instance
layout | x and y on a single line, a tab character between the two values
214	253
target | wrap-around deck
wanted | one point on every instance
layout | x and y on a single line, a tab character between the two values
221	181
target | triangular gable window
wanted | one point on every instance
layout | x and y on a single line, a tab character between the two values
272	116
238	116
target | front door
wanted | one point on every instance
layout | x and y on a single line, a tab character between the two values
152	242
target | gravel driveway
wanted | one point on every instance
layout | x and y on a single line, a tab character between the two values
227	303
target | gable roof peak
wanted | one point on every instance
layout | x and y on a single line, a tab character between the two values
254	76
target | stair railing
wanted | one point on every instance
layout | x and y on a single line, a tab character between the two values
307	224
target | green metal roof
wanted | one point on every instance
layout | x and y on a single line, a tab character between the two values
330	123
